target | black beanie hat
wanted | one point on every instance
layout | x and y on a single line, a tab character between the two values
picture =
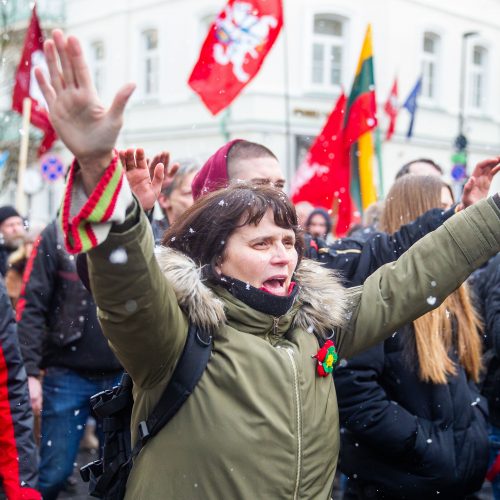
8	211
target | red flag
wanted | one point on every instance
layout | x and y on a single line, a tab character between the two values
234	50
391	109
323	177
27	86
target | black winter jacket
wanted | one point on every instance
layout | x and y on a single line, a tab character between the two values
357	258
400	436
486	283
5	252
410	439
57	320
18	462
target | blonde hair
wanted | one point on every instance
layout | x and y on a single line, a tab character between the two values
409	197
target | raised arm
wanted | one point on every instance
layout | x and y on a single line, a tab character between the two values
382	248
358	259
138	309
423	277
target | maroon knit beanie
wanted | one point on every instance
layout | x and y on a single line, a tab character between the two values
213	175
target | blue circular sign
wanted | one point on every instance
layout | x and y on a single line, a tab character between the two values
458	172
52	168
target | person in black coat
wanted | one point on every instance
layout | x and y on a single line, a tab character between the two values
414	425
18	453
486	283
64	352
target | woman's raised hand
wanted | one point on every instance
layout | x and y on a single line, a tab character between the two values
86	127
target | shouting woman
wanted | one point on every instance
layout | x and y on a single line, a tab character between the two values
263	420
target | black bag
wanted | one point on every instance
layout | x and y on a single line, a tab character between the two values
108	476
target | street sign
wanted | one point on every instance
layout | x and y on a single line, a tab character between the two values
52	167
458	172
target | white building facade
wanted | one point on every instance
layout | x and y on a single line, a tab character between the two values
156	43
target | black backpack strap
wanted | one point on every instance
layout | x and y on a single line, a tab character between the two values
187	373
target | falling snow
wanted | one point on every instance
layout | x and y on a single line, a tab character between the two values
118	256
431	300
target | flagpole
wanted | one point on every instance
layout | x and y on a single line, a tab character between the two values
378	153
286	82
23	157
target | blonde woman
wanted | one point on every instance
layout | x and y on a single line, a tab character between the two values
414	423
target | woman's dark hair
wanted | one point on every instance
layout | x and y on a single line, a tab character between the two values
204	229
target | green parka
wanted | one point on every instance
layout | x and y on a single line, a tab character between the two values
260	424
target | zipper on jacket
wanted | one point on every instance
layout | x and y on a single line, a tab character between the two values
276	321
289	353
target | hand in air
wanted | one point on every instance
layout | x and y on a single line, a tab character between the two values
147	177
86	127
479	183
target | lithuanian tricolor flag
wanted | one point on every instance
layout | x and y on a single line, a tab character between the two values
360	119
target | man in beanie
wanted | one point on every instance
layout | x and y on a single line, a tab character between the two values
238	160
12	233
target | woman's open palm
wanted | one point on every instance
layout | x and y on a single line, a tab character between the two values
86	127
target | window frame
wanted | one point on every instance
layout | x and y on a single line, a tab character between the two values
146	56
328	41
433	60
473	70
98	65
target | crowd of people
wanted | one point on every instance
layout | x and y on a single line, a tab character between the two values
375	352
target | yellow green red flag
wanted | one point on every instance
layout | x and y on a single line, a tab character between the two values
360	119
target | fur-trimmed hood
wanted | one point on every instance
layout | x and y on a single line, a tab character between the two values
322	300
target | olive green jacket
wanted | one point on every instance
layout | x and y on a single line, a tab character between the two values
260	423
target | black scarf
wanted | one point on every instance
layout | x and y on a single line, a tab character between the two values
260	300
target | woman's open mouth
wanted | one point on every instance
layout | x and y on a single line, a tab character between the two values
276	285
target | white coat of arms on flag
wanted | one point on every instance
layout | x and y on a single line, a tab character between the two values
240	33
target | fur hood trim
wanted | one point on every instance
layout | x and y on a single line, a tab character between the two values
323	300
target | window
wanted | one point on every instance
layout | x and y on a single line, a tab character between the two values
98	65
302	145
477	77
151	62
430	54
327	51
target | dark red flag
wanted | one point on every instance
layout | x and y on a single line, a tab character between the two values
391	109
27	86
323	177
234	50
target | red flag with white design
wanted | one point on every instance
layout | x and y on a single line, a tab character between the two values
27	86
236	45
391	109
323	177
